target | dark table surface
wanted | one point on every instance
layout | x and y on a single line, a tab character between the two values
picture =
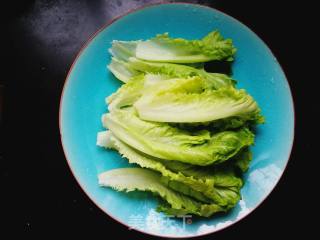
38	192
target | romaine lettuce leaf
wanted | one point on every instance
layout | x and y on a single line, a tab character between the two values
242	160
122	70
127	94
172	70
188	190
206	184
123	50
192	100
130	92
162	48
246	120
125	70
170	143
108	140
203	210
226	190
131	179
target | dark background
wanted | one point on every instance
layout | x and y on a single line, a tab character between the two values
40	196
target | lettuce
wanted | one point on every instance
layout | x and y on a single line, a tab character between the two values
203	210
172	70
122	70
188	130
162	48
170	143
206	184
123	50
126	70
108	140
127	94
131	179
193	100
130	92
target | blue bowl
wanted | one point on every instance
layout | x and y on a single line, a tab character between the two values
89	82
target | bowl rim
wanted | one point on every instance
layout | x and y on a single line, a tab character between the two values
105	26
